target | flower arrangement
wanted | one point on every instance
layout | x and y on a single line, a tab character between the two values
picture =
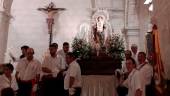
116	47
81	48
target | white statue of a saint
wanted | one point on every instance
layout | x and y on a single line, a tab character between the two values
98	31
100	24
97	47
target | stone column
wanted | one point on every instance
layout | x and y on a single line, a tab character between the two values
4	25
144	22
132	23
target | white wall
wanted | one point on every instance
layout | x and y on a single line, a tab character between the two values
28	27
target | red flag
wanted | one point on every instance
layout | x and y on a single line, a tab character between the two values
158	66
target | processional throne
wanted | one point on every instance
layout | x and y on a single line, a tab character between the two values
95	40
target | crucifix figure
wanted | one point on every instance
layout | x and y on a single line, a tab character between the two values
50	10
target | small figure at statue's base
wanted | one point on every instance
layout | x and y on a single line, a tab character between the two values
99	50
97	47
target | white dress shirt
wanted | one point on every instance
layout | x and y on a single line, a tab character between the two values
73	71
146	71
55	64
63	54
133	83
28	69
6	83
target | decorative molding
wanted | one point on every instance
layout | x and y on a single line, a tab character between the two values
132	31
108	9
116	10
132	28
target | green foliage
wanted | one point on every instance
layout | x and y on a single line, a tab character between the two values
81	48
116	47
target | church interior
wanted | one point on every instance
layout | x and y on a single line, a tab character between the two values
40	23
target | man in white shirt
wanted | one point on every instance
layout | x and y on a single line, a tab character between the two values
64	51
128	54
123	72
134	49
27	71
52	77
133	82
7	80
24	51
72	80
146	71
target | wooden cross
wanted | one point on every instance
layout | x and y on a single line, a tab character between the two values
50	10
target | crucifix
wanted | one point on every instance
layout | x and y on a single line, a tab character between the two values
50	10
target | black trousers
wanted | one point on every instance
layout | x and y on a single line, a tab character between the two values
149	90
122	91
46	88
25	88
77	92
52	86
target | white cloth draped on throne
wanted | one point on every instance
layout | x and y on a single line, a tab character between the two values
98	85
